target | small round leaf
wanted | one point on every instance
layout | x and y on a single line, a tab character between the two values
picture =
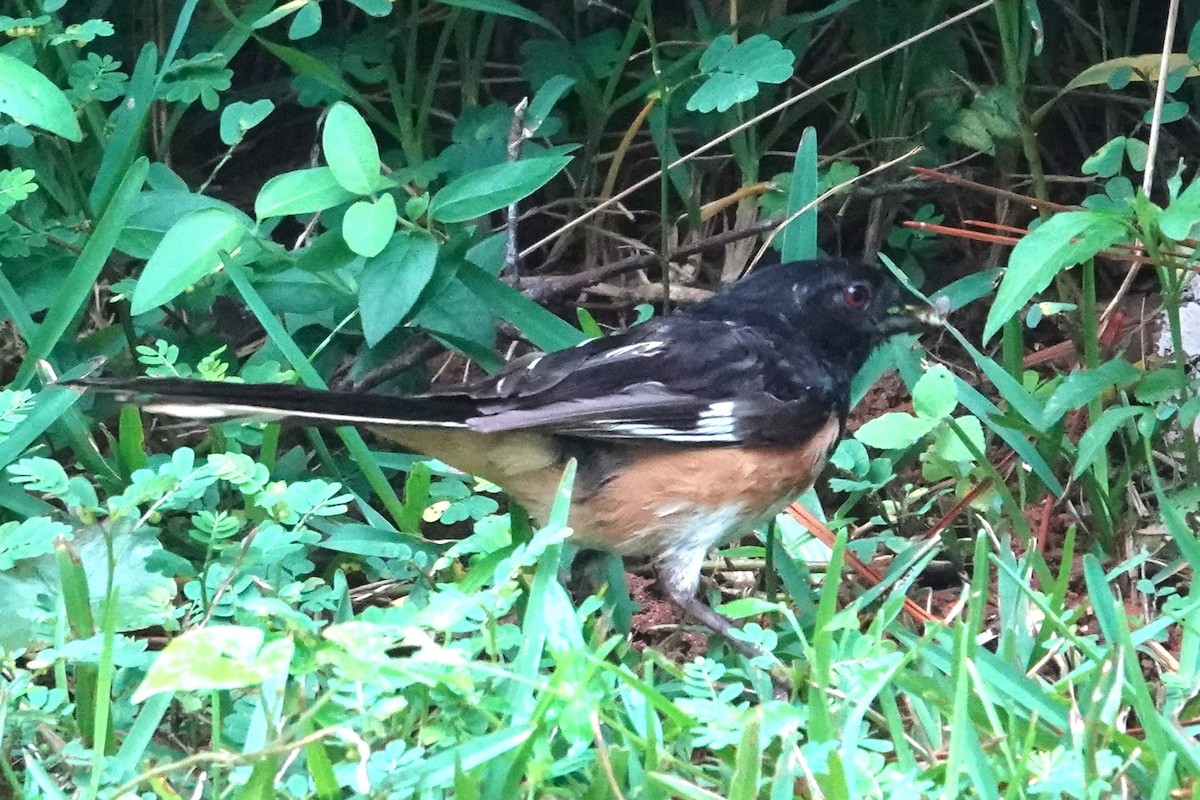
368	225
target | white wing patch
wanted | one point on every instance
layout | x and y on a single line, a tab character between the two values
638	350
716	423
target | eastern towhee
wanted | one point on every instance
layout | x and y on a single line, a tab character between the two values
687	429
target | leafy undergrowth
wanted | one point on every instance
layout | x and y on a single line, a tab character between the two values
999	602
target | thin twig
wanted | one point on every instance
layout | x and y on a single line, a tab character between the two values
517	134
554	286
1160	93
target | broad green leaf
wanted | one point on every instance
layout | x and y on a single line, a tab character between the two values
759	58
146	595
154	213
1096	437
368	225
1178	219
364	540
188	251
506	8
491	188
350	149
1144	67
545	330
304	191
722	92
1064	240
392	282
949	446
1080	388
798	239
220	657
544	101
936	394
894	431
30	98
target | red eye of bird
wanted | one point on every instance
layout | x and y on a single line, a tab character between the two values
856	295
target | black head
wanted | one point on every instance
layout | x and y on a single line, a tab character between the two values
842	309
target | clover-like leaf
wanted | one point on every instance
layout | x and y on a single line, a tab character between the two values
238	118
735	71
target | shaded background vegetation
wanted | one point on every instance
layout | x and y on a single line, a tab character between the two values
333	193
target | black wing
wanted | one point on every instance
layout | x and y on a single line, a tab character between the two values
674	379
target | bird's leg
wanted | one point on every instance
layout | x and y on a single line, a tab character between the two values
680	581
690	603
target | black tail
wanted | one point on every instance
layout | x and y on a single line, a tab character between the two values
215	400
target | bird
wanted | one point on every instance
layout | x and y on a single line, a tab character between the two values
687	430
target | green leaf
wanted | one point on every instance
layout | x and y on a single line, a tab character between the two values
736	70
75	291
1144	67
306	22
305	191
759	58
1106	161
30	98
1080	388
350	149
1178	219
154	213
505	8
238	118
949	446
491	188
188	251
392	282
1064	240
894	431
222	657
1171	112
936	394
798	239
1096	437
368	225
544	329
364	540
146	594
1137	151
544	101
376	8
